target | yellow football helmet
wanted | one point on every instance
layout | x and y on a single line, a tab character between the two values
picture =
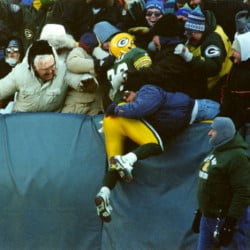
121	44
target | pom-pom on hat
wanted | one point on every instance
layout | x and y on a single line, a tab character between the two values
225	131
155	4
88	42
195	21
183	11
104	31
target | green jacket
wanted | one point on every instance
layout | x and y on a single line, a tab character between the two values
212	56
32	20
224	180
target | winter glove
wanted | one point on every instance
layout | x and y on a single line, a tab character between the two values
104	64
227	231
111	109
183	51
136	10
196	221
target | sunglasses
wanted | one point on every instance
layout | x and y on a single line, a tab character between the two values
8	50
156	14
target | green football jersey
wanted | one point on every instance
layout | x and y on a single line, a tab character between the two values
135	59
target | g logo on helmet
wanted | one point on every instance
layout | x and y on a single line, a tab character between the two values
120	44
123	42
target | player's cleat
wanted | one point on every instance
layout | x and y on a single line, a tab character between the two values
123	167
103	206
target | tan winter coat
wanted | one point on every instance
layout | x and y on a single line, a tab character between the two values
88	100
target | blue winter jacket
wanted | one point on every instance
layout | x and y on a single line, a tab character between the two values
167	112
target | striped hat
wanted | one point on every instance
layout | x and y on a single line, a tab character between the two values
195	20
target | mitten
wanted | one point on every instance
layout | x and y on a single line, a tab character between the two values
227	231
196	221
183	51
111	109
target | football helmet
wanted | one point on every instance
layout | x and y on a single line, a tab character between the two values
121	44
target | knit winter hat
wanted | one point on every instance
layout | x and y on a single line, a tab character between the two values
88	42
241	44
14	43
39	47
104	31
195	20
183	11
169	6
155	4
225	131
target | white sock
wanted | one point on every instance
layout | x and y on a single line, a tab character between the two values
105	190
131	157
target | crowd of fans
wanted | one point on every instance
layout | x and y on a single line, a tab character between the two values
199	66
170	62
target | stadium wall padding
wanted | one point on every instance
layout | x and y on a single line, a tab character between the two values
52	166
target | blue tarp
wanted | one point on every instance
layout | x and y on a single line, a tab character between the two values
52	166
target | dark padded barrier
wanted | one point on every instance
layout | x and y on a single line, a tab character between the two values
51	167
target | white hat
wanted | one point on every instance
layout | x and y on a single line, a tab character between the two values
52	30
56	35
241	43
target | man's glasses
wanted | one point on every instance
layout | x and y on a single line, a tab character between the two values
151	13
8	50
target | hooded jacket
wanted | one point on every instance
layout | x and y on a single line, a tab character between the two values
167	112
224	187
32	94
211	57
31	21
225	11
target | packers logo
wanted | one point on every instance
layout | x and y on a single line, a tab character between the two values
212	51
28	34
123	42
